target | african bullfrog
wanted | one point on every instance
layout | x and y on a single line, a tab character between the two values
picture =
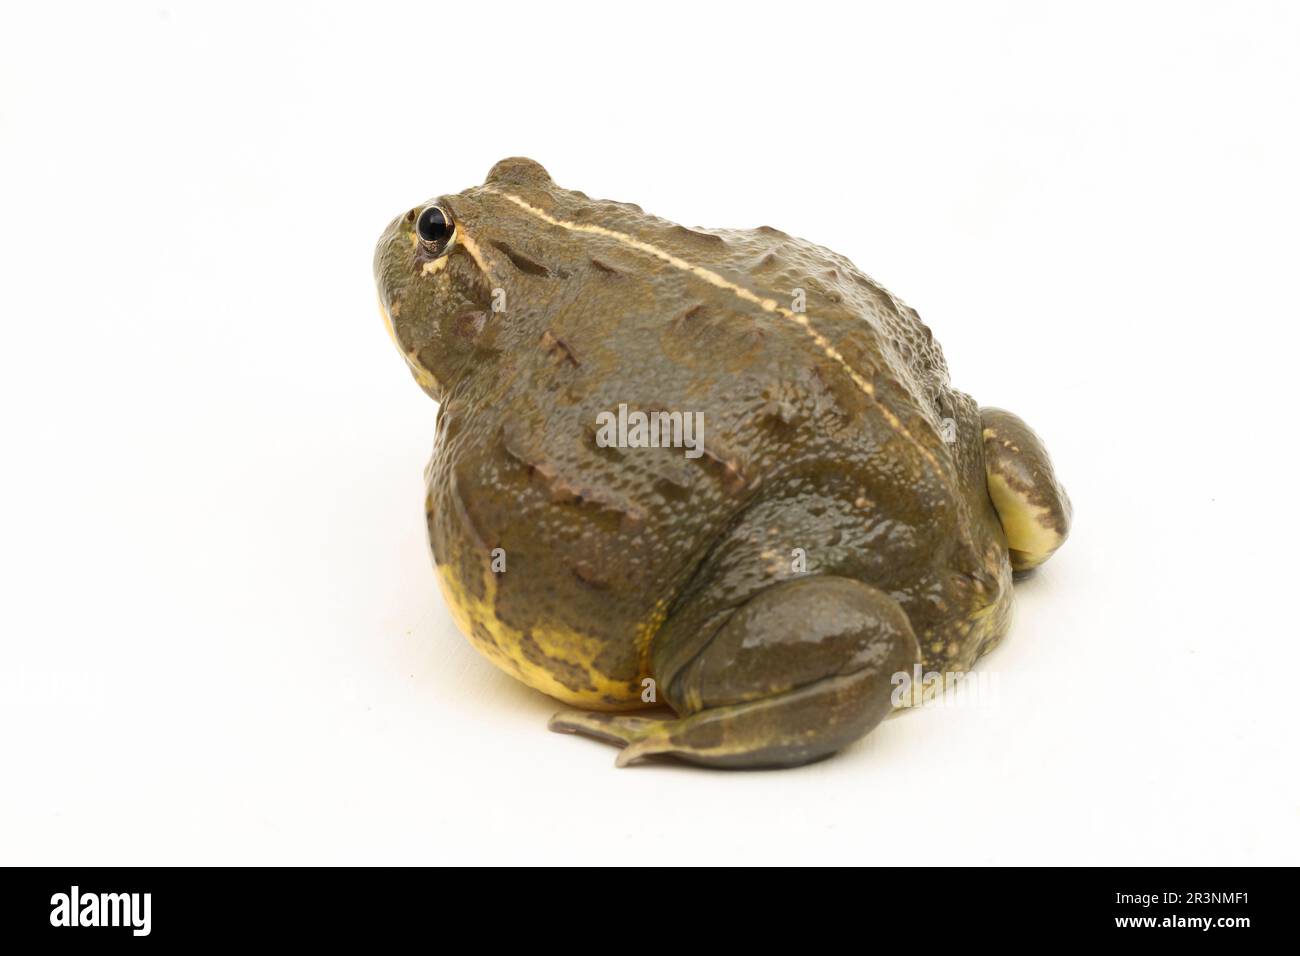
718	469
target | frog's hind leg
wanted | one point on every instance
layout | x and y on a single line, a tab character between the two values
801	669
1030	502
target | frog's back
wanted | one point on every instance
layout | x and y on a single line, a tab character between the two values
865	455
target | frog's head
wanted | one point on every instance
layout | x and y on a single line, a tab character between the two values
450	270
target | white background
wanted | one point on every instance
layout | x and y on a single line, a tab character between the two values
222	642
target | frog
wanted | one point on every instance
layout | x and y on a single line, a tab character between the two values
753	597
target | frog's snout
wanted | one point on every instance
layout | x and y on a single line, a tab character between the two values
388	266
386	258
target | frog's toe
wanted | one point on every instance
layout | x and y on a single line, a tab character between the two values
636	734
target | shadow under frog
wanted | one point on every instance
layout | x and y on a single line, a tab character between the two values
528	312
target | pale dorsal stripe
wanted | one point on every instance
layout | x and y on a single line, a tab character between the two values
740	292
466	240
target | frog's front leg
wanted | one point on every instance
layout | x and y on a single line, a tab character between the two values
1030	502
803	668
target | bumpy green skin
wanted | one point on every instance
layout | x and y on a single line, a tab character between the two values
628	563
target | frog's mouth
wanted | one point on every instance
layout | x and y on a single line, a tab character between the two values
423	376
388	319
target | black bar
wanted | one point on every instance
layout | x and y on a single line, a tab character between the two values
929	904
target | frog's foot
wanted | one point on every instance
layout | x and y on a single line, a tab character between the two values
638	736
1030	502
803	668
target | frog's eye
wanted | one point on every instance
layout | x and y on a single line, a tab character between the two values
434	228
